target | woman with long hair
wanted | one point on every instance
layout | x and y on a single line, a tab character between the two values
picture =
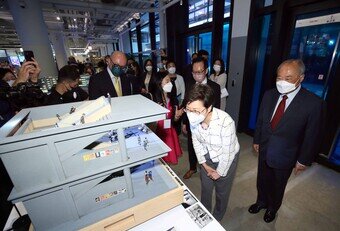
219	76
165	95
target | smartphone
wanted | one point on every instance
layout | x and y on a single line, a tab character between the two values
28	55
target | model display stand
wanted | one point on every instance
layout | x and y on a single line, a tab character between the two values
64	168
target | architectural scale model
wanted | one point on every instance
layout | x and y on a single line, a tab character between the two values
75	162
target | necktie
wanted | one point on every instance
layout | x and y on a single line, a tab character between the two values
278	113
117	86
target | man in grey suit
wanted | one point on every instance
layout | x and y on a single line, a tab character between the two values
286	135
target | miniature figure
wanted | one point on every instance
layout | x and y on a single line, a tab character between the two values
73	109
150	175
58	116
139	140
109	98
145	143
82	119
146	177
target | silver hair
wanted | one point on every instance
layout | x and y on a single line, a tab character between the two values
297	62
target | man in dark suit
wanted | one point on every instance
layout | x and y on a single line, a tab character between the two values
286	136
112	81
199	73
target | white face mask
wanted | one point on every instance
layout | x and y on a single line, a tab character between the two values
167	87
10	82
172	70
148	68
217	68
285	87
195	119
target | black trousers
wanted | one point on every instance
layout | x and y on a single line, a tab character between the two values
191	151
271	185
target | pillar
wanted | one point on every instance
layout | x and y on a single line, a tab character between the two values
57	40
162	26
237	57
32	31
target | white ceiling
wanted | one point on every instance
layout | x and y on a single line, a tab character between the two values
81	21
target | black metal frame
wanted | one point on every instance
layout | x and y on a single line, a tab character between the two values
178	32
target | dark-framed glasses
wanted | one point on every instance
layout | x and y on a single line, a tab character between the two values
197	112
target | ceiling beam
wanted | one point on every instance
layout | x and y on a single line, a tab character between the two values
96	5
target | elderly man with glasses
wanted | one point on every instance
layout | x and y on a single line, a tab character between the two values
112	81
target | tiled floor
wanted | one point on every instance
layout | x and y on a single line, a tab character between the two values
311	202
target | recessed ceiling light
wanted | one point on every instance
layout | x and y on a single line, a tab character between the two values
58	18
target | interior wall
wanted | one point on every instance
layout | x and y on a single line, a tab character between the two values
238	44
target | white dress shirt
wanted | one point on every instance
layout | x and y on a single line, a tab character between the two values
290	97
113	78
205	81
180	87
147	81
219	140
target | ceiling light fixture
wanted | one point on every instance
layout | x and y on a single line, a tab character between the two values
58	18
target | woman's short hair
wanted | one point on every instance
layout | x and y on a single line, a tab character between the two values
203	93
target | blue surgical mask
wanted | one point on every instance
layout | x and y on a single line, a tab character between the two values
117	71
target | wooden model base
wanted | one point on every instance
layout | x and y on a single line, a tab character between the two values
140	213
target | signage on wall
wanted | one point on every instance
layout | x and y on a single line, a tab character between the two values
332	18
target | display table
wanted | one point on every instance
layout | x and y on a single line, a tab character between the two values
191	215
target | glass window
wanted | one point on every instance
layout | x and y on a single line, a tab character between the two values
157	31
316	45
268	2
205	43
198	42
191	48
134	43
144	18
263	55
145	34
200	12
3	53
335	156
225	44
227	6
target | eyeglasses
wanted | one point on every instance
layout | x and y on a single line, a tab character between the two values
117	66
194	111
199	73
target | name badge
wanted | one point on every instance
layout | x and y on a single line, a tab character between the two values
167	123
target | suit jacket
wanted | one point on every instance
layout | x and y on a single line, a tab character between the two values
152	83
296	137
101	83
